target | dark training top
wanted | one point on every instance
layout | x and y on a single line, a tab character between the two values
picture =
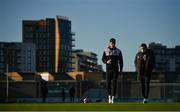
116	59
144	62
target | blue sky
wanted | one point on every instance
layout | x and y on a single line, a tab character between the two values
95	21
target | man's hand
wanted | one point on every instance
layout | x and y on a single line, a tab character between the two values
109	61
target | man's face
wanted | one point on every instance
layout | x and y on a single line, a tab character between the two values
143	49
111	45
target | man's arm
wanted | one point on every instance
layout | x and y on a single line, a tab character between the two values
104	58
135	62
121	61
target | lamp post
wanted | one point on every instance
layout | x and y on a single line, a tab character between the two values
7	80
7	83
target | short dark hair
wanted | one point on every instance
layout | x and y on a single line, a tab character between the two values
143	45
113	40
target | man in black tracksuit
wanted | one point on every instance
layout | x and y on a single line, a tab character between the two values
112	57
144	63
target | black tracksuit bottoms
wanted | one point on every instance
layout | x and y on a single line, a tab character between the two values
111	79
145	81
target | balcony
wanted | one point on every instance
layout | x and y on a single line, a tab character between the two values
73	45
73	33
72	39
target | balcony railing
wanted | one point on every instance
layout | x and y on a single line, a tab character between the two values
73	33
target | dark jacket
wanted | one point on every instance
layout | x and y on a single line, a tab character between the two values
144	63
116	56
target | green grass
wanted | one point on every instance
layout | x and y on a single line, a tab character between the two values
90	107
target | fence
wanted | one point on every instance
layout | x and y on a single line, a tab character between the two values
89	89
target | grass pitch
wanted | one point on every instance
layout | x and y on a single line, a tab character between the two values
90	107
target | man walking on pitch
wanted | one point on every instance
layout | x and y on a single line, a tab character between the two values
144	63
112	57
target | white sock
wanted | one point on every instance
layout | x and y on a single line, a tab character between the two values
109	100
112	101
